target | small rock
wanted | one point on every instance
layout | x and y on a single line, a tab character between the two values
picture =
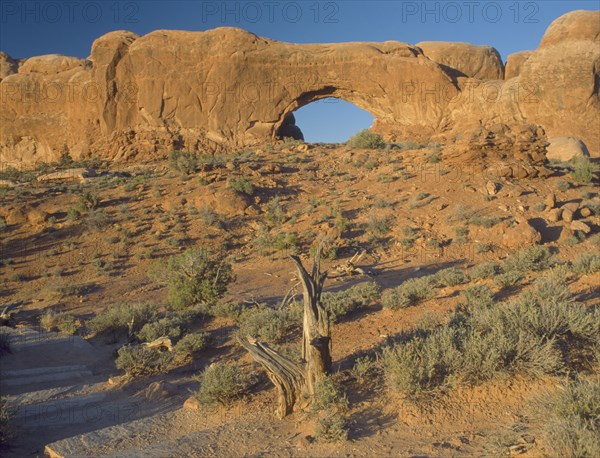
159	390
302	147
492	188
585	212
191	403
502	207
554	215
78	174
440	207
515	192
581	226
550	201
567	215
573	206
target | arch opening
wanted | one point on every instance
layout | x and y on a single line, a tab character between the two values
324	118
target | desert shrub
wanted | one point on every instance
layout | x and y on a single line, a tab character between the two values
209	217
193	343
97	220
59	321
118	318
184	162
485	270
3	224
171	327
378	225
275	214
530	259
562	185
7	427
543	332
358	297
484	221
411	292
73	214
570	419
267	324
450	277
479	296
227	309
583	169
139	361
363	369
508	279
196	276
366	139
330	407
421	364
243	185
87	201
586	264
222	383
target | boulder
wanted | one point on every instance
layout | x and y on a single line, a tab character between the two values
515	62
581	226
550	201
158	391
523	234
225	201
554	215
581	25
36	217
566	148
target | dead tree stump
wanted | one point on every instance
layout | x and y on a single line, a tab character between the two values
295	382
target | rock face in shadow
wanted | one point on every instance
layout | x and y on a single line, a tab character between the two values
139	97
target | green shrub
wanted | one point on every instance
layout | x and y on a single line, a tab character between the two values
184	162
3	224
97	220
193	343
73	214
479	296
562	185
367	140
583	170
59	321
171	327
531	259
275	214
196	276
363	369
355	298
508	279
267	324
485	270
411	292
330	407
543	332
222	383
378	225
451	277
570	419
243	185
118	318
87	201
140	361
586	263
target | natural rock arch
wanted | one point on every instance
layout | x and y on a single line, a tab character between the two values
142	96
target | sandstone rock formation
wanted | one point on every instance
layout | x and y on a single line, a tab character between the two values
482	62
515	62
142	97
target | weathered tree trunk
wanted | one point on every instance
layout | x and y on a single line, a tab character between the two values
296	383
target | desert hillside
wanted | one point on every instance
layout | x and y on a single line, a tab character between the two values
462	299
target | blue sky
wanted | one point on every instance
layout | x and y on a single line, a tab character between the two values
29	28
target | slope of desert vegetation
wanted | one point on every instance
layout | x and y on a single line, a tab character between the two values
463	305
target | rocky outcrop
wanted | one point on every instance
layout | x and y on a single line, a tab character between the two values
142	97
482	62
515	62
